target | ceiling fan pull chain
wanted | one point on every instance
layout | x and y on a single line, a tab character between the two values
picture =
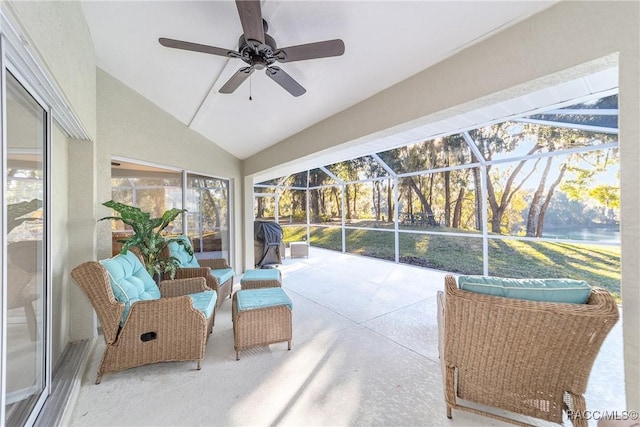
250	88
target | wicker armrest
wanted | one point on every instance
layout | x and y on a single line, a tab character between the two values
164	310
179	287
189	272
214	263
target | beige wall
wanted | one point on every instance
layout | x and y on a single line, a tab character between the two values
564	42
59	243
61	36
130	126
81	232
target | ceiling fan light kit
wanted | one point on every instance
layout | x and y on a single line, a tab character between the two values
260	51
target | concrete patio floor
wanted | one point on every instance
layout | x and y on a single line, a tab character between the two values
364	352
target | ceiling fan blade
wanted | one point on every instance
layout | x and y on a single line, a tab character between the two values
179	44
311	51
285	80
236	80
251	19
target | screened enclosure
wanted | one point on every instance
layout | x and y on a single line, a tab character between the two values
535	196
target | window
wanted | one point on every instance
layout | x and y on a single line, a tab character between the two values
156	189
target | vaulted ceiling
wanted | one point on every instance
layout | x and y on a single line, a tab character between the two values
385	42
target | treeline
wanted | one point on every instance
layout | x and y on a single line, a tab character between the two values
553	170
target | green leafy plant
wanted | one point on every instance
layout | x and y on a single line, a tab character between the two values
147	237
17	212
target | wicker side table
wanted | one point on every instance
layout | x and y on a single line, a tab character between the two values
260	317
299	249
261	278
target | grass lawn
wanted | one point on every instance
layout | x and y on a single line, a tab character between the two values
597	265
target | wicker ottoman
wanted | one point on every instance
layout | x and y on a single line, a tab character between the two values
260	317
299	249
261	278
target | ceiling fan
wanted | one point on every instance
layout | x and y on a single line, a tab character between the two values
259	50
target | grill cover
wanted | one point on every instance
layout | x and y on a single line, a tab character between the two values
267	240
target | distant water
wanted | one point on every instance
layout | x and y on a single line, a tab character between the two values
605	235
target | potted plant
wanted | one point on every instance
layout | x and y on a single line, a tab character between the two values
147	237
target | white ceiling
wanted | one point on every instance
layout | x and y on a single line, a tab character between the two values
386	42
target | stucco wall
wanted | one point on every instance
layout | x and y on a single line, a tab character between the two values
561	43
130	126
60	282
60	34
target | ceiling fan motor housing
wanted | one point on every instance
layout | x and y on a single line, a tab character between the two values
260	56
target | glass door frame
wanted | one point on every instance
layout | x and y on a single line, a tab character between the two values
7	65
229	208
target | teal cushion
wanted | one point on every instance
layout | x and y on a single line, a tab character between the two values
547	290
204	302
222	274
261	274
179	251
130	281
251	299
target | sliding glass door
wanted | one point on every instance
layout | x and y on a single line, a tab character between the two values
156	188
207	215
24	316
153	189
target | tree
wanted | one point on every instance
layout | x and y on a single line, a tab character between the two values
608	196
540	201
413	157
349	172
426	206
563	212
335	192
315	195
504	139
461	185
390	201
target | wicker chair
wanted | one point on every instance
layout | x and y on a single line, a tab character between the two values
528	357
206	268
160	330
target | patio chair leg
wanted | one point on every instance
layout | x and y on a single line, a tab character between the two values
289	345
99	377
578	407
449	412
237	355
198	365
